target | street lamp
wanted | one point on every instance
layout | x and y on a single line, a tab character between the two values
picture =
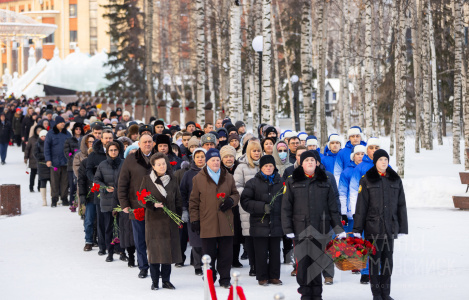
257	45
296	105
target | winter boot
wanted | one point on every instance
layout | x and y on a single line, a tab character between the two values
65	202
31	189
44	198
54	202
131	261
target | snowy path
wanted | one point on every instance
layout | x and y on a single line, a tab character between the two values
41	252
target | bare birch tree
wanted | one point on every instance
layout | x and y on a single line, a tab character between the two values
321	125
266	63
458	65
306	65
200	15
368	68
234	101
401	86
148	56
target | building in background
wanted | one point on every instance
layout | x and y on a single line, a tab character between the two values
79	24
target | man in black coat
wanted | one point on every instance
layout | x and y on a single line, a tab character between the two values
94	159
72	145
381	212
87	198
309	209
6	136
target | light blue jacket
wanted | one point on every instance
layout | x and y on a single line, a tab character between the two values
343	159
344	189
358	173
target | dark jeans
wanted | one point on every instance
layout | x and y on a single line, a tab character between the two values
249	247
108	226
309	269
17	139
72	183
32	179
267	257
3	151
101	228
381	265
183	236
197	254
220	250
138	228
90	216
157	269
59	182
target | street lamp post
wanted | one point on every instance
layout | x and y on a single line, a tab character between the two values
257	45
296	102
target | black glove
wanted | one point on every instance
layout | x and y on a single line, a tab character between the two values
267	208
227	204
195	227
345	219
83	200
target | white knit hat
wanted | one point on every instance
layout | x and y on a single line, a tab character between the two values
42	133
289	134
197	150
357	149
334	138
354	131
126	113
372	141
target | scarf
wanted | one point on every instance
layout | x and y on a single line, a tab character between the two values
309	176
160	182
270	178
255	162
214	175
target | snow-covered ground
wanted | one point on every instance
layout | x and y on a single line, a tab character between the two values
42	257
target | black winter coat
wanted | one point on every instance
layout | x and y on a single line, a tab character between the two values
29	151
42	170
54	146
186	189
16	123
258	192
106	174
126	235
71	147
6	132
84	184
309	207
26	125
381	207
94	159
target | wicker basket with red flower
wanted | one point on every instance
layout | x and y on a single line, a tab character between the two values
350	253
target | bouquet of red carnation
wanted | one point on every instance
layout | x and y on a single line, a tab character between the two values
222	196
95	188
139	213
173	163
145	196
350	253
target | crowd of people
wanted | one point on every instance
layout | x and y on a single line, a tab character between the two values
269	194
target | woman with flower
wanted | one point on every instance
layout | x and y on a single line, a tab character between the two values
213	195
161	232
71	146
105	176
262	199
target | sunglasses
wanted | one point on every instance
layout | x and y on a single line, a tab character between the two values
280	151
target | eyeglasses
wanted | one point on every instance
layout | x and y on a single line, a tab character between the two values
280	151
90	142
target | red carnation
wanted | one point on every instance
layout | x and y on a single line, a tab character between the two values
343	223
173	163
337	254
139	214
359	253
365	252
222	195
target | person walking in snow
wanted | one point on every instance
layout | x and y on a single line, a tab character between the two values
382	214
55	159
309	209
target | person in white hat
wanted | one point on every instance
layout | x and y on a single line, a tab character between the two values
312	143
331	152
355	137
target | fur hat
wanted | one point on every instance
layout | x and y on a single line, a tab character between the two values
334	138
311	140
357	149
43	133
208	138
354	130
372	141
133	130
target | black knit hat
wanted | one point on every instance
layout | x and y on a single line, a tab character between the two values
158	122
198	133
305	155
317	157
266	159
378	154
113	114
269	130
190	123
